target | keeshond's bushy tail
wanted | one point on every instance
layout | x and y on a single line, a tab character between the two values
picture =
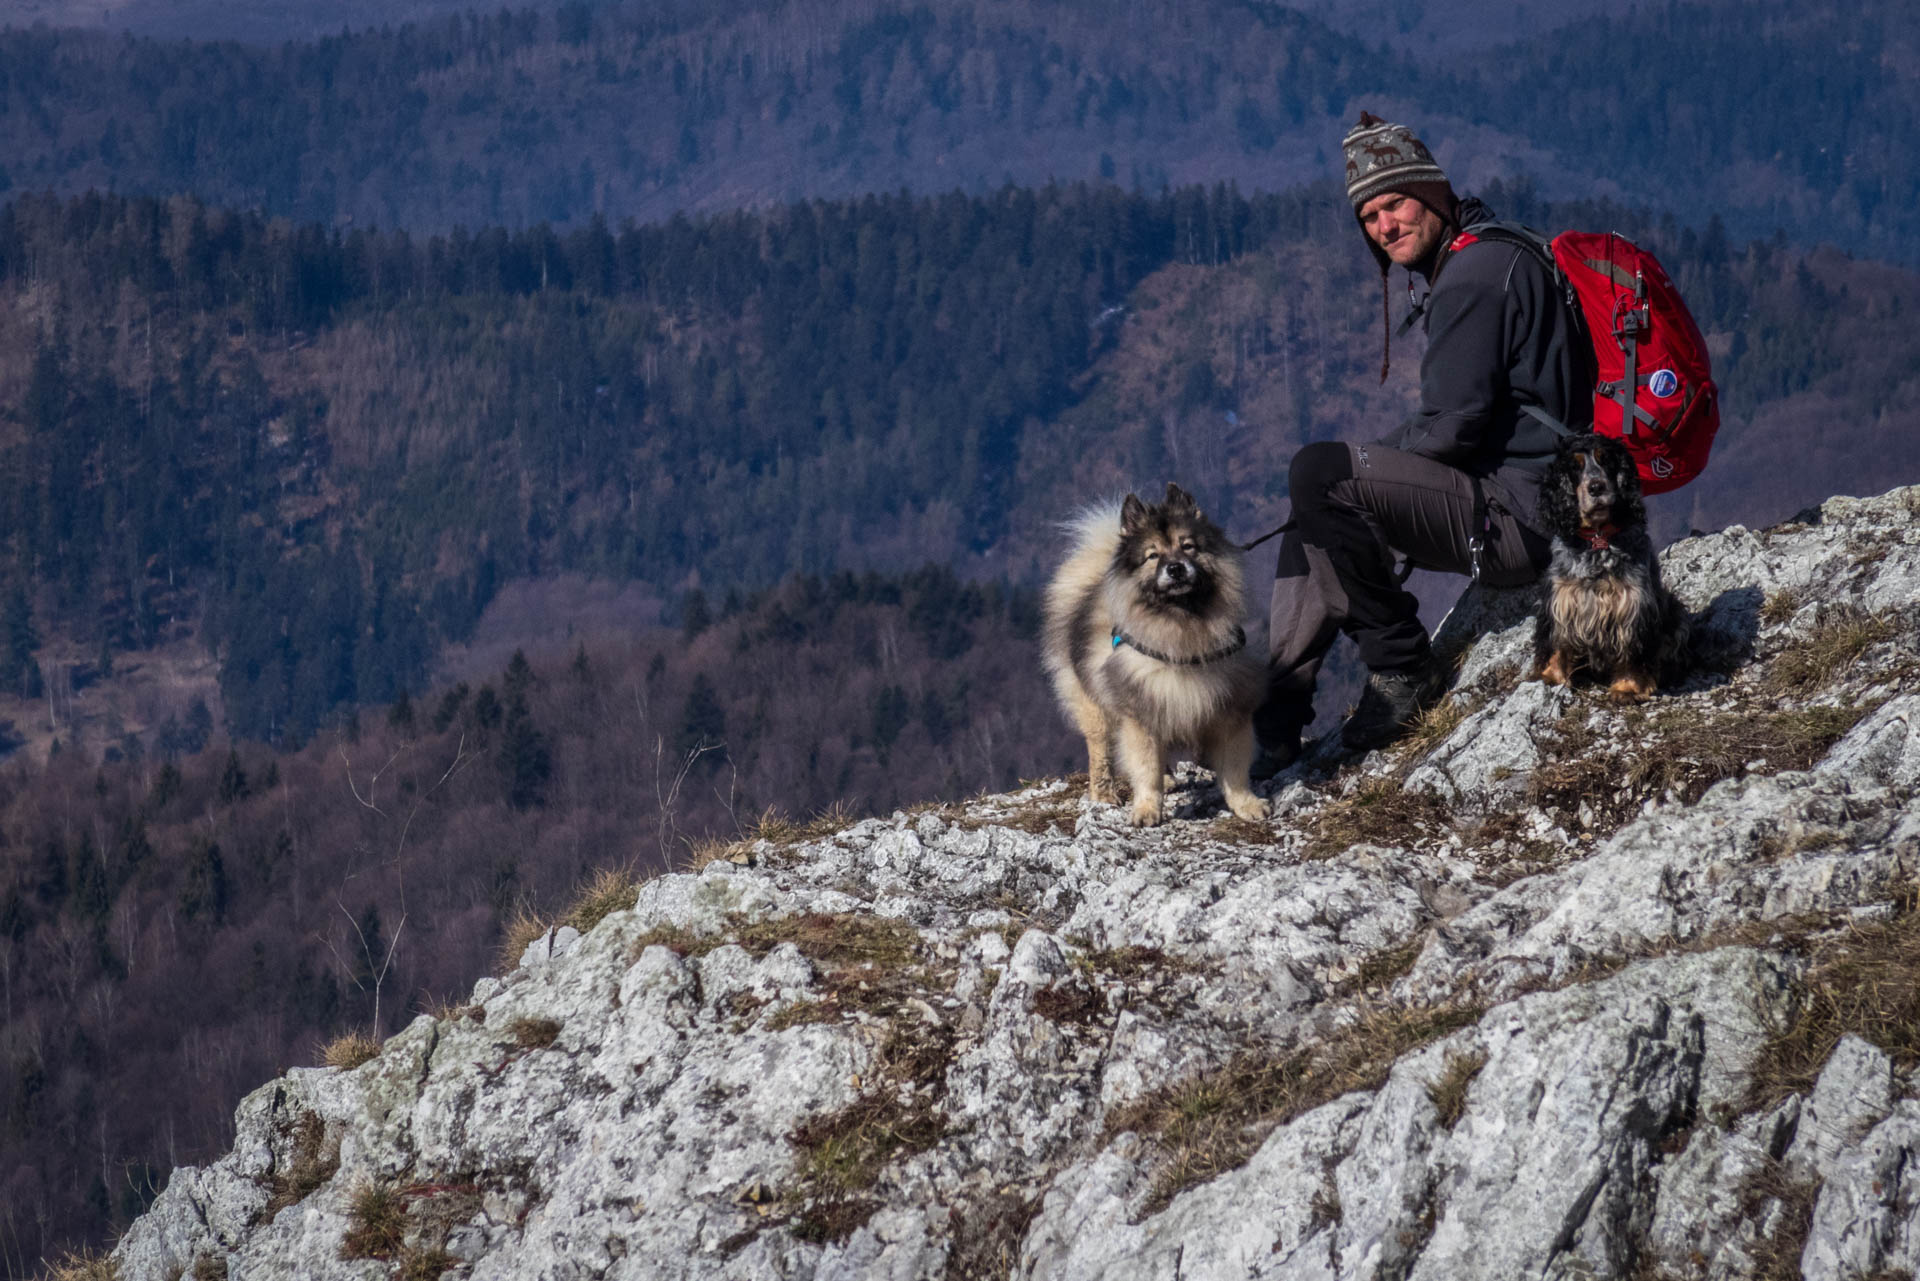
1093	536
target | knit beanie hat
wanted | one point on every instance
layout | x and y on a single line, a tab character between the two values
1384	157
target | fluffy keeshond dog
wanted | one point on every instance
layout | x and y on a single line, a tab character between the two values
1145	647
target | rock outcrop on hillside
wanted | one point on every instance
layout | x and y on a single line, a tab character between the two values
1563	988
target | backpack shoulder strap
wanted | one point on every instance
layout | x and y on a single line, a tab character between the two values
1541	247
1515	233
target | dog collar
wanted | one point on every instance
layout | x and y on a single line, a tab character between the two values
1232	647
1600	539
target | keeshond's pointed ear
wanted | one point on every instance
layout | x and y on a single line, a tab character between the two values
1133	515
1179	499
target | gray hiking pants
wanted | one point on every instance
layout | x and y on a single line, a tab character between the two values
1354	506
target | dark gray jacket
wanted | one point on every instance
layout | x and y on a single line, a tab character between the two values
1499	336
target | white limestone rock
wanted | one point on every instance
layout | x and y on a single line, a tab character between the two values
1485	763
625	1102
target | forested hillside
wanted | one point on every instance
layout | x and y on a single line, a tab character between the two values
175	928
316	456
344	444
1770	114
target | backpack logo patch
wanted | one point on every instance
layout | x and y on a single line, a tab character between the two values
1663	383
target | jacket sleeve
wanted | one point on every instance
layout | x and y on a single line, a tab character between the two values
1465	401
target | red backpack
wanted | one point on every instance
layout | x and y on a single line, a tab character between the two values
1655	391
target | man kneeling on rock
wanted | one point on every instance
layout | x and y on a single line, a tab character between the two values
1453	487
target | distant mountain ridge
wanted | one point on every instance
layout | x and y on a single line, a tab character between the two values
1768	116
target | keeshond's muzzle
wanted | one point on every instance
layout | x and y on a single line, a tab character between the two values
1176	577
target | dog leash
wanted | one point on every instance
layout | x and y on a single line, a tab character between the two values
1401	573
1272	533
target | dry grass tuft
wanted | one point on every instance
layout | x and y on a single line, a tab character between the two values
350	1049
444	1008
611	890
826	938
424	1265
313	1162
1380	812
1213	1123
987	1235
868	966
381	1218
1779	606
801	1013
1133	963
710	849
521	931
1865	981
1378	969
1449	1093
776	829
1036	816
843	1153
1434	727
533	1034
1826	653
1776	1257
1689	749
1519	855
677	940
83	1265
209	1267
1069	1002
872	965
376	1223
1231	829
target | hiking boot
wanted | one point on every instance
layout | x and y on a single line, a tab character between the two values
1390	705
1270	758
1277	727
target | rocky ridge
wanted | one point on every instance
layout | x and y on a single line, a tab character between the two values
1561	988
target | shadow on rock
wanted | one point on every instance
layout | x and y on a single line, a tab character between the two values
1724	633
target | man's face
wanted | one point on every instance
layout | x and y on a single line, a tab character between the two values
1405	229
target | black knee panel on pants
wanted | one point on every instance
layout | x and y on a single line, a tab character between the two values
1315	469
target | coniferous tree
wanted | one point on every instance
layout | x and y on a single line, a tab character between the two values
203	891
486	708
526	762
92	895
50	880
518	678
703	725
369	950
450	703
695	615
233	780
18	671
